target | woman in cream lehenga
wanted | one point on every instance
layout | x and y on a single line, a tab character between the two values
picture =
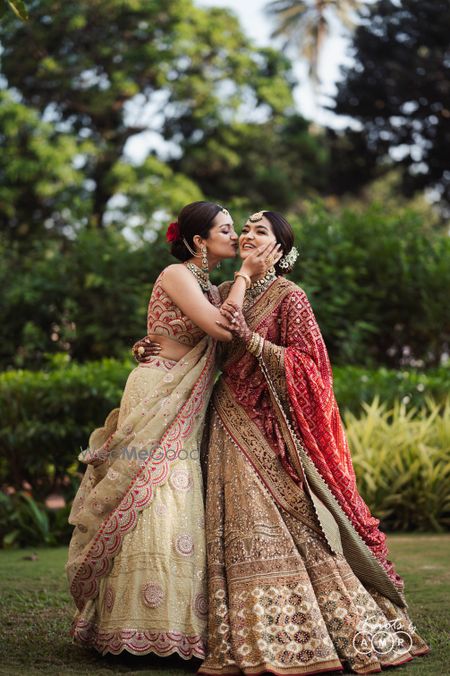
137	556
298	576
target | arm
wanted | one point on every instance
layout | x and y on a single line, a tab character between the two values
301	341
185	292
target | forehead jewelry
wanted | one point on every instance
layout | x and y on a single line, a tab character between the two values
254	218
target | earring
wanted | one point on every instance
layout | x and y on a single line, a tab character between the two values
218	266
204	259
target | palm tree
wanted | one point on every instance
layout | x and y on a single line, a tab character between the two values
17	6
306	23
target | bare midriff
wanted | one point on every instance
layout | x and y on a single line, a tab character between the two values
170	348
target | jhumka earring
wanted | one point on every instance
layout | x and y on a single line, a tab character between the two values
204	259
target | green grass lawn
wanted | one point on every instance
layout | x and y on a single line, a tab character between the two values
35	614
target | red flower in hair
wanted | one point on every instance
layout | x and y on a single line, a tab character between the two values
173	232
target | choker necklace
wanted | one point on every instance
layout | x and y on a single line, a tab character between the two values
259	286
201	276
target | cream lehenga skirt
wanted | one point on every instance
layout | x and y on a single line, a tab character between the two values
153	598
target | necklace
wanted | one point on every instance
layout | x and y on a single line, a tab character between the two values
201	276
258	287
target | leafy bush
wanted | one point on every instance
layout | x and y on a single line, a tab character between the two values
354	386
25	522
402	462
400	448
378	280
48	416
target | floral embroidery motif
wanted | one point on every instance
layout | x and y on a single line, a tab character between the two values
153	594
109	599
84	576
181	479
184	545
200	606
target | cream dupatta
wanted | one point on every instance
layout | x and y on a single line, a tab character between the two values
127	462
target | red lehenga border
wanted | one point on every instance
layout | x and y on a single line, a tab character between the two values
138	641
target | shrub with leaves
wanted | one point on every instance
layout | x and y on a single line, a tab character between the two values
402	461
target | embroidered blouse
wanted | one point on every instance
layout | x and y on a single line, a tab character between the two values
164	318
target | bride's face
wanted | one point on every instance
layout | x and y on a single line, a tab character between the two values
254	235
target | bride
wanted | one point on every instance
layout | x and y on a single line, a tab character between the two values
136	562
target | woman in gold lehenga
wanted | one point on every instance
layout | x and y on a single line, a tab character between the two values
298	576
137	555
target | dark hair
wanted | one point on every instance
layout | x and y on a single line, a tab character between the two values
195	218
284	235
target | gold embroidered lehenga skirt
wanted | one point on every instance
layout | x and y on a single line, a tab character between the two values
139	577
280	600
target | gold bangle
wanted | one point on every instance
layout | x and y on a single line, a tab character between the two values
248	281
255	345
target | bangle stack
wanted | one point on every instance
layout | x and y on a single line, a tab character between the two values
255	345
248	281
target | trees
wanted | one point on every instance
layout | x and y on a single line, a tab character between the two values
399	90
107	71
17	6
277	163
305	24
39	184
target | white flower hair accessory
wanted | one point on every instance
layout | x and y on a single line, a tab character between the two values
289	259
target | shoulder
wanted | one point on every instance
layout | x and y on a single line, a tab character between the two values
174	269
174	273
289	290
293	295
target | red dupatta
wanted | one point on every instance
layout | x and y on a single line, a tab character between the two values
309	381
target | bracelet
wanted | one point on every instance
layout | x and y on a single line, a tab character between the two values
248	281
255	345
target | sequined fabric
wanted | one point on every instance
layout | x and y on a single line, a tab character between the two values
154	598
281	599
300	370
137	555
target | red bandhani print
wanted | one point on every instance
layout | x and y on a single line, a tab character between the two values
310	386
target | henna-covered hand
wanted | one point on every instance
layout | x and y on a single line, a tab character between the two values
236	321
144	349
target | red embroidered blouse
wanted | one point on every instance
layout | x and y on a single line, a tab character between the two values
164	318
